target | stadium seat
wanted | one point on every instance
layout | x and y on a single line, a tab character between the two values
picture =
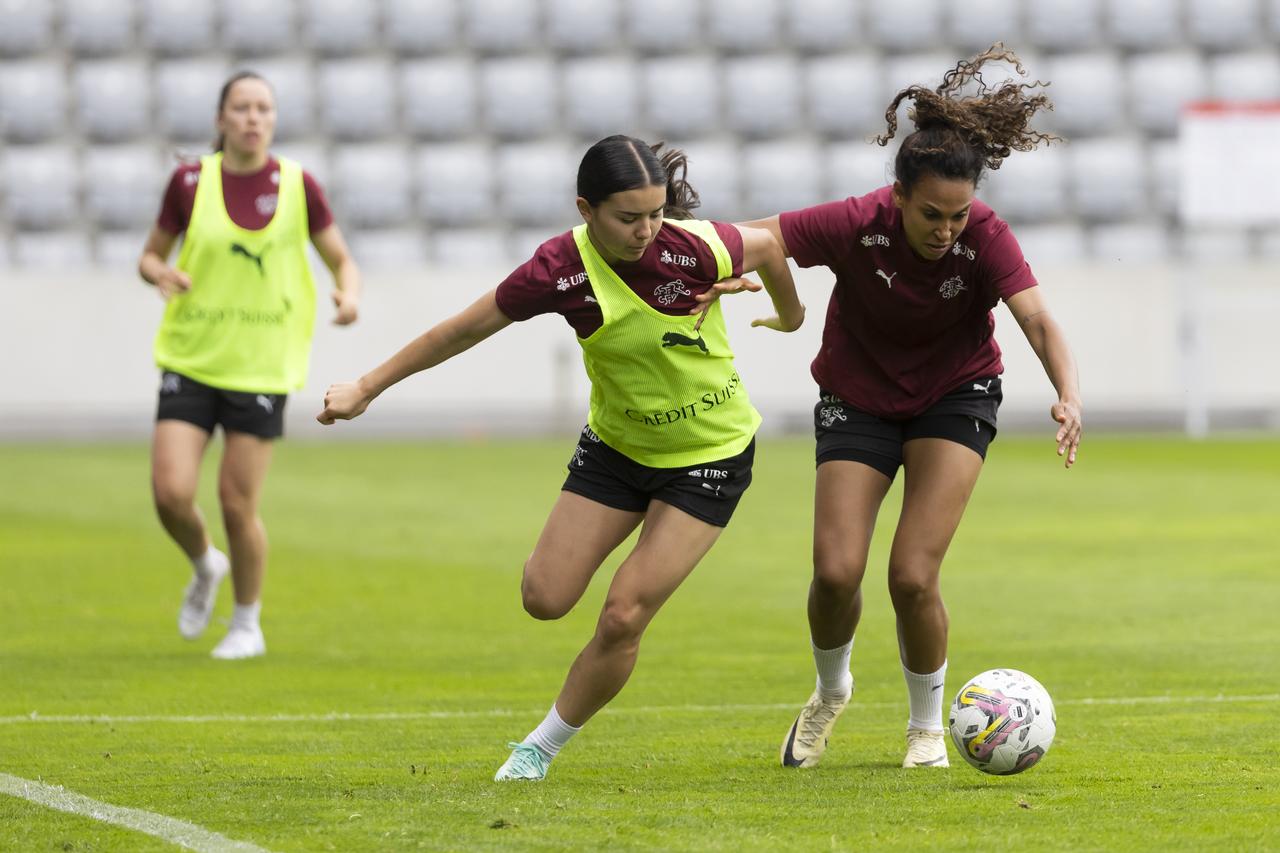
464	248
113	99
584	26
1030	186
715	174
391	248
762	95
98	27
536	184
1160	84
844	95
855	169
40	185
255	28
601	96
186	97
824	25
739	26
1267	248
781	176
28	26
914	26
337	27
1064	24
123	185
178	27
501	26
1251	76
1088	93
1140	242
359	100
1216	247
1052	243
33	100
681	95
439	97
1164	168
120	250
455	183
372	184
519	97
1108	177
54	251
1143	24
977	24
312	157
1224	24
421	26
1273	20
903	70
665	26
292	79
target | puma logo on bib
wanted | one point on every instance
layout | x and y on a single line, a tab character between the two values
675	339
237	249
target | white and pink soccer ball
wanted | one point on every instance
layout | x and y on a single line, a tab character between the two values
1003	721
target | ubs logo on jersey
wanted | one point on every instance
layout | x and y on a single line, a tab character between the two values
951	287
667	293
563	283
870	240
679	260
963	251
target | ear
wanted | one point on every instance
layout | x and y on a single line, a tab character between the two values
585	210
899	195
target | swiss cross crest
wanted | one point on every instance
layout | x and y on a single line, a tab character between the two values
951	287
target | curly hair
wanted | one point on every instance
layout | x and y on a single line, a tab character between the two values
959	135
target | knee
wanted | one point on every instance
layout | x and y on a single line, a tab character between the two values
171	499
912	585
622	623
837	576
539	597
238	510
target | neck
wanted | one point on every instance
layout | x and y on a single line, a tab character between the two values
609	258
243	162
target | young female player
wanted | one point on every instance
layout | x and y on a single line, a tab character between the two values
234	341
670	436
909	373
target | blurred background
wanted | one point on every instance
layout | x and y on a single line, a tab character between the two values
447	135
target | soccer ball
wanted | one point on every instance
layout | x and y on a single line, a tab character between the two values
1003	721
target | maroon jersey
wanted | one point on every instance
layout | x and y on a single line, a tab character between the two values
902	331
676	267
250	199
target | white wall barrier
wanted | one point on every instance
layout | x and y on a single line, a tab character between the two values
75	354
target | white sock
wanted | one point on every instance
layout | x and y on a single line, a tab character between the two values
206	562
246	615
834	680
926	695
552	733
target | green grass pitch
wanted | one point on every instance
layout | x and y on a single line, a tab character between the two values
1140	588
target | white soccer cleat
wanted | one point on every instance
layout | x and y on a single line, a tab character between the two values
925	749
807	740
241	643
202	592
526	762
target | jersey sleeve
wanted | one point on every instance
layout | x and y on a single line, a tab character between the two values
821	235
528	291
732	239
319	216
175	206
1006	268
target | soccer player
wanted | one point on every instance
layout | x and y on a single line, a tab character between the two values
909	376
234	341
669	440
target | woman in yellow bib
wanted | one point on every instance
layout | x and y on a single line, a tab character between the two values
234	341
670	436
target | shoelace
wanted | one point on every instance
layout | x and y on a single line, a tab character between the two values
815	720
527	758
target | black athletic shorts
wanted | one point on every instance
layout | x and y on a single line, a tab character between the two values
709	491
184	399
966	415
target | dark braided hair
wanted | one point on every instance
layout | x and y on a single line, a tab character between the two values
619	163
957	135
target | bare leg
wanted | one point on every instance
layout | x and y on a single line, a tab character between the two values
245	461
671	544
176	450
848	496
940	476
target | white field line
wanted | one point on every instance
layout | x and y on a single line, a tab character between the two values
167	828
394	716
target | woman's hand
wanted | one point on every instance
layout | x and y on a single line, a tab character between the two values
344	401
347	307
1068	414
742	285
778	324
172	282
